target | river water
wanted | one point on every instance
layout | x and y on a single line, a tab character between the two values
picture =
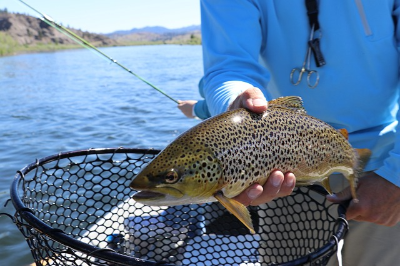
73	100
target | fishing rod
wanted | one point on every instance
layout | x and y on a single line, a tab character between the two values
88	45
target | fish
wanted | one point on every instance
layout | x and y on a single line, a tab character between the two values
222	156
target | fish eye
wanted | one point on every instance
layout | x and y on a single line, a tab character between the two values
171	177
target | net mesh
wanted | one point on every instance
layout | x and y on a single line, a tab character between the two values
75	208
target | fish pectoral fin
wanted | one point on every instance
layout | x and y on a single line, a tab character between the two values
237	209
325	183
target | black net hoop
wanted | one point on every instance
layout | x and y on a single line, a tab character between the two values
75	208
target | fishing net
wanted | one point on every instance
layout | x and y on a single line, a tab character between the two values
75	208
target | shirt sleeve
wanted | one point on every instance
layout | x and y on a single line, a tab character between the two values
391	165
230	51
200	110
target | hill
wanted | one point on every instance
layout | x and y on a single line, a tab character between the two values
21	33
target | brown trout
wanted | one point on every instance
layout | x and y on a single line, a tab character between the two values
222	156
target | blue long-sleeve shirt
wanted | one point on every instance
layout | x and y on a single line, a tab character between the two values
250	43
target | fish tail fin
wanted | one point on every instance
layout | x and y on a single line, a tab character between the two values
353	185
363	157
237	209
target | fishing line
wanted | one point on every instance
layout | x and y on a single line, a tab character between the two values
90	46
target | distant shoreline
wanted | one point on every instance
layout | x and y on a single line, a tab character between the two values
55	48
21	34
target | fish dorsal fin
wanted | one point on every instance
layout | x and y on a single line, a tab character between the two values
291	102
344	133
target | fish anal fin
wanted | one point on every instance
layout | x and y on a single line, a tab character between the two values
291	102
344	133
325	183
237	209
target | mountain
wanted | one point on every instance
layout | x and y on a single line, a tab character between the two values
143	38
156	30
146	35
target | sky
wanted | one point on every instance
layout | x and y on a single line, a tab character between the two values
106	16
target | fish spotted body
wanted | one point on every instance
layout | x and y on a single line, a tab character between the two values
222	156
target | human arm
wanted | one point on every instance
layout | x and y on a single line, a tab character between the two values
379	201
193	109
390	170
232	39
379	192
232	42
186	107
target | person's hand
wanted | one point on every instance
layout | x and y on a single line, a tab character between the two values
379	201
277	185
186	107
252	99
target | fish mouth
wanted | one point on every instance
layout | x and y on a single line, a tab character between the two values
147	195
165	197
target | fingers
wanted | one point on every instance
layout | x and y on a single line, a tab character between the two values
250	194
252	99
343	197
288	185
340	197
277	185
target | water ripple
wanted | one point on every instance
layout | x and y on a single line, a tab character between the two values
72	100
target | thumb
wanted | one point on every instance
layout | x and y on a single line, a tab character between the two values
342	196
252	99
